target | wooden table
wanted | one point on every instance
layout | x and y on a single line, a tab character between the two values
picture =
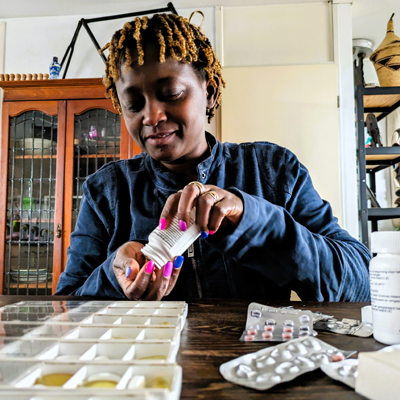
211	337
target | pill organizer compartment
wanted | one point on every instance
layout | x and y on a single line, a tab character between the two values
23	317
114	310
23	348
152	321
138	334
95	372
83	332
106	319
154	352
109	351
50	331
150	304
70	318
10	370
29	378
64	351
16	329
165	377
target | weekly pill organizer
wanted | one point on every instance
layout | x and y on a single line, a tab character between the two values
91	350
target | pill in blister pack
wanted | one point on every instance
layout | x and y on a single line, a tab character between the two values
276	325
281	363
345	327
345	371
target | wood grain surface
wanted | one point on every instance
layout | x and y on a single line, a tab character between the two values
211	337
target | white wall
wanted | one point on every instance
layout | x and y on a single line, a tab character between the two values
278	35
282	86
32	42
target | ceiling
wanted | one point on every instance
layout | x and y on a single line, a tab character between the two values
43	8
369	16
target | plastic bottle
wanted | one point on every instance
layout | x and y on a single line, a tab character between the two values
164	245
54	69
384	273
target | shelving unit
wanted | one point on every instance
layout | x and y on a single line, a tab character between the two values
380	101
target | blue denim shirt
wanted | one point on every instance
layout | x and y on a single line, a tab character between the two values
287	239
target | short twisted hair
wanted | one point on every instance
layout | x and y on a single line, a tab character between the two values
176	37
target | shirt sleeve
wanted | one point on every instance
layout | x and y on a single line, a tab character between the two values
89	271
299	244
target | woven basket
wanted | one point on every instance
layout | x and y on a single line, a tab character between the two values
386	58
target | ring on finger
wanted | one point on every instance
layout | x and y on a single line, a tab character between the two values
213	194
180	191
199	185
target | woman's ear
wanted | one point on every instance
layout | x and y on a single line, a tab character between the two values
212	92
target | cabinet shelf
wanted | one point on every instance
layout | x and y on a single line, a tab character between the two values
381	101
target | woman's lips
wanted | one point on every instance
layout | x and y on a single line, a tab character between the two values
160	139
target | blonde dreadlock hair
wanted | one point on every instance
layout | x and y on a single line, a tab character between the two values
176	37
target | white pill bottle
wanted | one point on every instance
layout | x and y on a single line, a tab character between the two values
384	272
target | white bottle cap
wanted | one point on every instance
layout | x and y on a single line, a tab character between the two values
385	242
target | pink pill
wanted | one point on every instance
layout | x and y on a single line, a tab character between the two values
248	338
267	335
251	332
287	329
269	328
286	336
338	357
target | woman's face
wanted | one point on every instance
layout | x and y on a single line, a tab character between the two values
164	107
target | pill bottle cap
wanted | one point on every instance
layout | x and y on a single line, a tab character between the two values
385	242
55	59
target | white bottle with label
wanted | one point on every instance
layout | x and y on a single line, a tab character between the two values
164	245
384	270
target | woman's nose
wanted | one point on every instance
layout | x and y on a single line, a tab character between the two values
154	113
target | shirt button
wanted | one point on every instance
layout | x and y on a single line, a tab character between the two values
203	175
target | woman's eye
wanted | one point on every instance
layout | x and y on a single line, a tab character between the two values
172	95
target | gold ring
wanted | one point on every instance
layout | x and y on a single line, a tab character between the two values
199	185
180	191
213	194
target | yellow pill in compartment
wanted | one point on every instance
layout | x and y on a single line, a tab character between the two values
100	384
53	379
159	383
157	357
165	323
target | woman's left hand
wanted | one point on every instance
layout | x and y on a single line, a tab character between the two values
214	207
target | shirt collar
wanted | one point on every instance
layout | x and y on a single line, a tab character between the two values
169	181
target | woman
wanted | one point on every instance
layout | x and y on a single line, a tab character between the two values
265	230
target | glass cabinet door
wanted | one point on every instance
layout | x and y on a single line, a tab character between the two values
97	141
29	239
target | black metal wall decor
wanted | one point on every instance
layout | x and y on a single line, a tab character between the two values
85	23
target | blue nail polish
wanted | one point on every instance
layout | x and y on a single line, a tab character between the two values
178	262
128	271
203	235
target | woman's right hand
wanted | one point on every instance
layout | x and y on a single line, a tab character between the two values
140	280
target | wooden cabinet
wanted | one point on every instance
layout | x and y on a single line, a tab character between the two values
54	134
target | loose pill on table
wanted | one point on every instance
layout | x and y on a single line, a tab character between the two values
53	379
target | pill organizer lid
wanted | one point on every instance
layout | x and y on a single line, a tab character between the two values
385	242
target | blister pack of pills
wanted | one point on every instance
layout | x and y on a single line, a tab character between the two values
269	324
128	348
281	363
345	371
346	326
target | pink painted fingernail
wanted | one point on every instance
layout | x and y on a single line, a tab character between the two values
150	267
162	224
168	269
211	232
182	225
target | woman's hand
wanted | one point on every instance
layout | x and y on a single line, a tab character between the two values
214	207
140	280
